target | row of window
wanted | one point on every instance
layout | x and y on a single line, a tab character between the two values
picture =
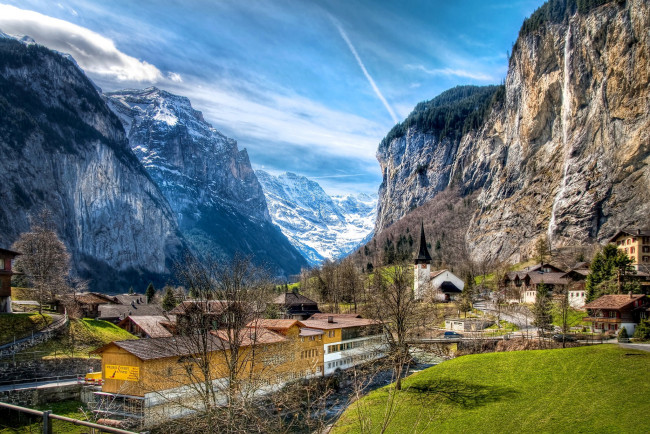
311	338
575	294
346	362
627	242
308	354
350	345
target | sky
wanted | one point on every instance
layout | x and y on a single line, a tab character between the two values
306	86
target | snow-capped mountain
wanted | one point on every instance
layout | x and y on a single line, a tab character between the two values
207	180
319	226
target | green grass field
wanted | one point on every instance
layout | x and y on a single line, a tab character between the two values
598	389
81	337
574	318
21	325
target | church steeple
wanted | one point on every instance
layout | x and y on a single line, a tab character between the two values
423	255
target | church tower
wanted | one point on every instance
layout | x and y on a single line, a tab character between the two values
422	268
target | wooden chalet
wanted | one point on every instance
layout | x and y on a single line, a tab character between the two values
296	306
610	313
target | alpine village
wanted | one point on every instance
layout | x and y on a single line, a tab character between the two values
421	226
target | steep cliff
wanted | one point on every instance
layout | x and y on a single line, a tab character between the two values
62	148
207	180
566	151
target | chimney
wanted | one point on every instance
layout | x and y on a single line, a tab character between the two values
330	319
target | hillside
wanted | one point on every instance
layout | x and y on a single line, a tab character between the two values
561	150
584	389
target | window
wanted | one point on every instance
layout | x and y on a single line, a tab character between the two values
612	314
632	250
646	249
646	259
2	264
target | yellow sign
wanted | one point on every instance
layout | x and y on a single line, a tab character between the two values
121	372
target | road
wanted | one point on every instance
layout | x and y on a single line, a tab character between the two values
641	347
39	385
517	318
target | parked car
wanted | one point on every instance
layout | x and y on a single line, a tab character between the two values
566	338
452	335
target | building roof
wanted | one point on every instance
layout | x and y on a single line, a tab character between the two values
449	288
293	299
251	336
212	306
310	332
335	315
613	301
129	298
549	278
8	252
160	348
540	266
581	266
122	311
273	324
436	273
423	256
92	298
339	323
633	232
151	325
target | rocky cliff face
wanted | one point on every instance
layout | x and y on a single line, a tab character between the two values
208	181
62	148
320	226
565	154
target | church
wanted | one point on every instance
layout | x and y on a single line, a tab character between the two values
442	284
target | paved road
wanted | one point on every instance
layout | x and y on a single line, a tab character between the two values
518	318
642	347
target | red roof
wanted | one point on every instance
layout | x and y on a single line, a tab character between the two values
614	301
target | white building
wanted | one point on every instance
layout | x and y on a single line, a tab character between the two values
444	284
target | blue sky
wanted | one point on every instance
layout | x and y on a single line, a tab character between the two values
305	86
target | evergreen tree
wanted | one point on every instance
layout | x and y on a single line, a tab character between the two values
642	331
622	335
169	299
131	291
609	269
543	309
150	292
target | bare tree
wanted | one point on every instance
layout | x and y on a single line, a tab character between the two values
45	260
392	302
562	304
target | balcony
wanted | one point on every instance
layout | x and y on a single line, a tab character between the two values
602	319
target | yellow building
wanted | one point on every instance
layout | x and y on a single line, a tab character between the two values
636	243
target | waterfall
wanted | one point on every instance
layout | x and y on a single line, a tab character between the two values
566	112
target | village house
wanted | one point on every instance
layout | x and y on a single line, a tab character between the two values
610	313
147	380
85	303
346	341
146	326
636	243
6	263
296	306
117	312
521	286
576	279
443	285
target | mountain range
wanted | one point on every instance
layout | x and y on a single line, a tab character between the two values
320	226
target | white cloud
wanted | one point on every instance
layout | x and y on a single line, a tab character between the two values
451	71
93	52
173	76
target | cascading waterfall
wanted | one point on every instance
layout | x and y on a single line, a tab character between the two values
566	111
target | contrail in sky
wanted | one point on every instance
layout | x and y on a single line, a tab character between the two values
365	71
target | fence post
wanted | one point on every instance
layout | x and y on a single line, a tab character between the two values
47	423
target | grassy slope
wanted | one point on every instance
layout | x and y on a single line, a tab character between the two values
21	325
81	337
587	389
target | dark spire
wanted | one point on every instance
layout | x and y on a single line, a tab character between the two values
423	255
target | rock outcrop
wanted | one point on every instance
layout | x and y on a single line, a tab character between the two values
63	149
565	153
